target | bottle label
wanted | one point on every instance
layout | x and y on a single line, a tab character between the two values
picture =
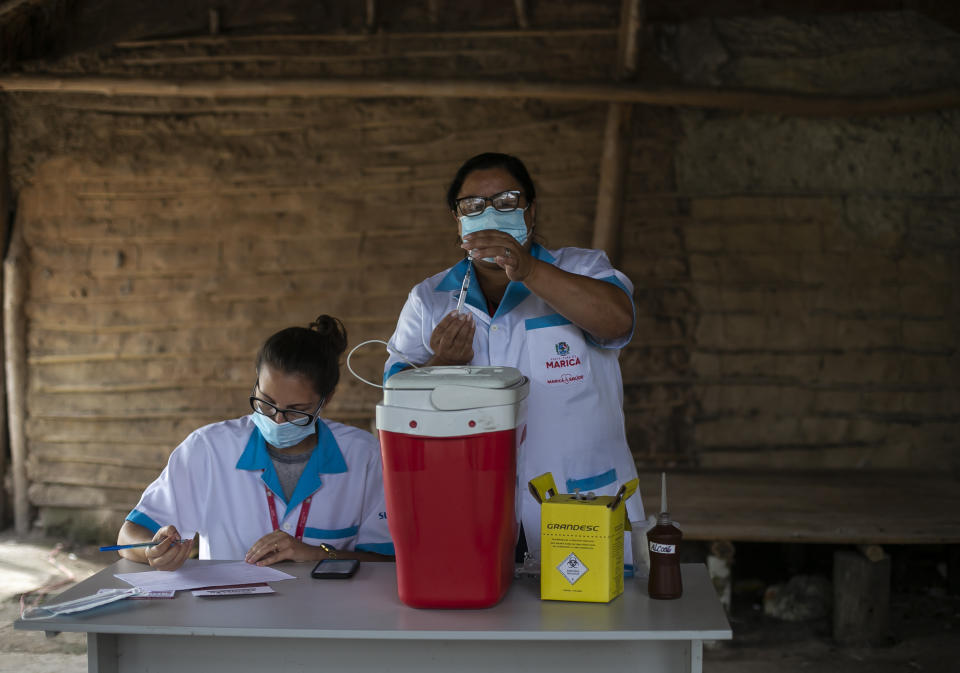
663	548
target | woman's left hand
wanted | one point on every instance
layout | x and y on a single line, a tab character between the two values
509	255
279	546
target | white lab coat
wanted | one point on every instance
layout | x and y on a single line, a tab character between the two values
575	422
214	483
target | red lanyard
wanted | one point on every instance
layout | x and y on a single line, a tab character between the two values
304	511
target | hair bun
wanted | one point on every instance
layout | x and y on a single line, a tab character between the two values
332	330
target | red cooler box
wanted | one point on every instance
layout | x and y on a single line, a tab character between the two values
449	439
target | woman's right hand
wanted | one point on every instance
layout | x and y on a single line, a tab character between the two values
168	554
452	340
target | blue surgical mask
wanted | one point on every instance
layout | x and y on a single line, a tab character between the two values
509	223
282	435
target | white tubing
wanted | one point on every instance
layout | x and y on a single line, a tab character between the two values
389	351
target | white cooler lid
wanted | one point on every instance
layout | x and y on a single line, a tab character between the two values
428	378
452	388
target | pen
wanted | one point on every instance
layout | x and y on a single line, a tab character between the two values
117	547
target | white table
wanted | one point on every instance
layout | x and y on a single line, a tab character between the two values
361	625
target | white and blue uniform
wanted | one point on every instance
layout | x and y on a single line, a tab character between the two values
216	482
575	422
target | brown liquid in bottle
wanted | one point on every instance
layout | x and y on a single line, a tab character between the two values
664	540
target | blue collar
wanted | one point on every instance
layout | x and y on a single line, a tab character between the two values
325	459
516	292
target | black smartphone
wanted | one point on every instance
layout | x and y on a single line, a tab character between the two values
335	568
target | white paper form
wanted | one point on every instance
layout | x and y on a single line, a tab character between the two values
194	575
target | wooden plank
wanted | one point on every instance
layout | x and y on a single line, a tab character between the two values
93	475
839	507
791	105
84	497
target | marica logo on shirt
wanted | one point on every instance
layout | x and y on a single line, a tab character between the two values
556	363
563	348
566	378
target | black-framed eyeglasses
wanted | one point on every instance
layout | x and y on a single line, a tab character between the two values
505	202
294	416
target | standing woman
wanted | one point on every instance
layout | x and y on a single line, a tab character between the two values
559	316
278	484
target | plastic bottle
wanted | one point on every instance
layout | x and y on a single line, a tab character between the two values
664	540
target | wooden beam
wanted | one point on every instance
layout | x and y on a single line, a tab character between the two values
15	361
792	105
617	139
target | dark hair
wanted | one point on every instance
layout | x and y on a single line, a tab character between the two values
488	160
313	352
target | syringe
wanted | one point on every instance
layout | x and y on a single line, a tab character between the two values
464	287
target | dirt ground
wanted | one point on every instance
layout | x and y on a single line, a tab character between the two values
924	628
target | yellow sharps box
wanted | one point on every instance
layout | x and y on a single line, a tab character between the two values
581	542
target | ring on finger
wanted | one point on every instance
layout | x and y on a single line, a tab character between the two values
506	252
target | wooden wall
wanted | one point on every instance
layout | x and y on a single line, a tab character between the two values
168	238
784	318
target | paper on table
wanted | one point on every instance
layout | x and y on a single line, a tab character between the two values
194	575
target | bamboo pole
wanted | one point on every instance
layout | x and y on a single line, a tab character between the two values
520	7
370	14
613	168
614	162
15	360
795	105
4	220
433	11
370	19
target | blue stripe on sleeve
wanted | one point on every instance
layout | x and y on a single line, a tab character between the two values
323	533
552	320
592	483
613	280
397	367
141	519
385	548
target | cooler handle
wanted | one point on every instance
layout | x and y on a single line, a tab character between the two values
456	398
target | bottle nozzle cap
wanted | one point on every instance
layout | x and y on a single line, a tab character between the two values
663	491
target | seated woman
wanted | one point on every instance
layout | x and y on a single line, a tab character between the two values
275	485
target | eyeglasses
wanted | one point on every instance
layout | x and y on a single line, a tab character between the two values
505	202
290	415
